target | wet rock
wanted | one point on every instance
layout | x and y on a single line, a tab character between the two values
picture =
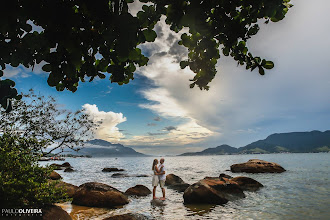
141	175
246	183
223	175
172	179
128	216
112	169
95	194
257	166
56	166
54	212
55	176
158	202
69	169
138	190
176	183
119	175
68	188
66	164
211	190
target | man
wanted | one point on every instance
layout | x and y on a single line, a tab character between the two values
162	177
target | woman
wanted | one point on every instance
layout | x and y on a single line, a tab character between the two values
155	178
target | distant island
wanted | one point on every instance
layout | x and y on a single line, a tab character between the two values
293	142
102	148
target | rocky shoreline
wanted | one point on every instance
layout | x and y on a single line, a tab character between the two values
209	190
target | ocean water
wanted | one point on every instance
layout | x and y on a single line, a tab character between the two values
302	192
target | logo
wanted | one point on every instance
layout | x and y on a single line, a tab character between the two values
21	212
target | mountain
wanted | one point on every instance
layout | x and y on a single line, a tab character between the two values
293	142
222	149
102	148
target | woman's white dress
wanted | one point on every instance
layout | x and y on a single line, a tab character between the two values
155	179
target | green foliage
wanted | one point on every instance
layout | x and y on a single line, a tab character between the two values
22	182
39	117
70	43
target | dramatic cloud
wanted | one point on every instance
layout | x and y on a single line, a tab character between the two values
187	133
108	129
243	106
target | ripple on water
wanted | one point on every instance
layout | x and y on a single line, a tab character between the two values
303	192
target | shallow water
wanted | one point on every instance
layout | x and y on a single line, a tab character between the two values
302	192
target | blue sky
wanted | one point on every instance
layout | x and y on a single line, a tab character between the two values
158	113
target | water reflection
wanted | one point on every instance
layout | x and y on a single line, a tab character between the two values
199	209
300	193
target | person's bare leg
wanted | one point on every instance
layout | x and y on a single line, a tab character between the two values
163	191
154	192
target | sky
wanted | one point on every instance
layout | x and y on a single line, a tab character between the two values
157	113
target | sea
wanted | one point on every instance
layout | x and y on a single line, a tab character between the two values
302	192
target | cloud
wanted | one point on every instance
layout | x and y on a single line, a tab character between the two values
242	106
151	124
186	133
156	134
108	129
157	119
170	128
23	72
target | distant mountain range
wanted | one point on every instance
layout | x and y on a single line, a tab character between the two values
102	148
293	142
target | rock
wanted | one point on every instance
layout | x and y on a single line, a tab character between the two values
246	183
68	188
138	190
69	169
95	194
55	176
179	187
172	179
112	169
158	202
66	164
56	166
141	175
128	216
176	183
54	212
119	175
211	190
257	166
223	175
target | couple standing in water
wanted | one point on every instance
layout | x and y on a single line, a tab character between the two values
159	177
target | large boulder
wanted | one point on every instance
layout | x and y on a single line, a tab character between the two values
55	176
176	183
246	183
57	166
66	164
68	188
138	190
212	190
95	194
54	212
128	216
257	166
112	169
